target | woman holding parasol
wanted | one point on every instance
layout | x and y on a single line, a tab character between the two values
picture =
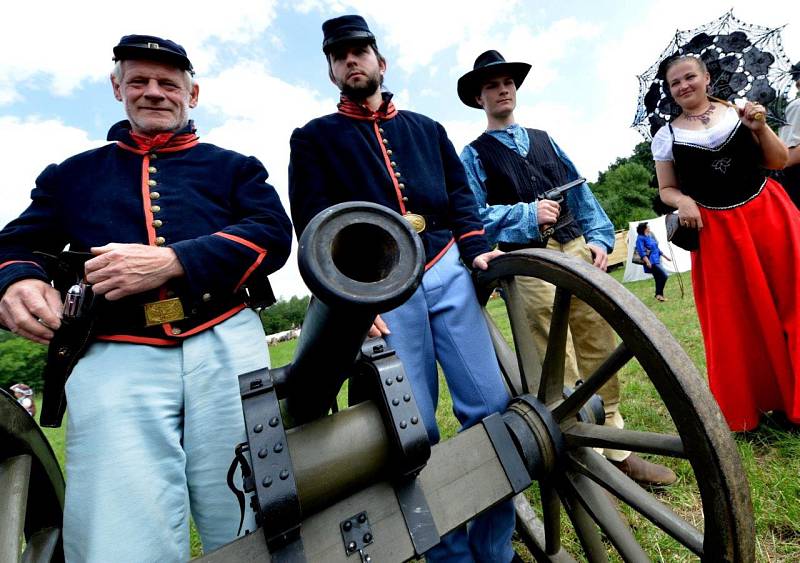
746	270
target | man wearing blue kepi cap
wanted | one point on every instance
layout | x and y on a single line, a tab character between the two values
369	150
180	237
509	168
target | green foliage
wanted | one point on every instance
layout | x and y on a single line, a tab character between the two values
625	193
284	315
627	190
21	361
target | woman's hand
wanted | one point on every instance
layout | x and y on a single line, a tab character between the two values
753	116
689	213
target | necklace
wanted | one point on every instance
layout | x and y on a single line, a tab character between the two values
704	117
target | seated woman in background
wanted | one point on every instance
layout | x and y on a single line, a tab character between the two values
647	247
745	273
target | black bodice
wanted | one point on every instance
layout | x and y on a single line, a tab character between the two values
722	177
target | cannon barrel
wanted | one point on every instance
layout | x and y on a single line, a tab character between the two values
358	259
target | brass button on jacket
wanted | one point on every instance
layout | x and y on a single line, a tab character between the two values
160	241
152	169
158	223
152	183
176	331
155	208
206	297
401	186
155	195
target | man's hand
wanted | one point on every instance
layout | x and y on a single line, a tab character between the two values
31	308
378	328
599	256
547	212
120	270
481	261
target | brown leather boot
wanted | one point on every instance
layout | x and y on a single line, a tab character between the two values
645	472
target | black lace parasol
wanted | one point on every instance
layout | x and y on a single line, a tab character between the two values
744	60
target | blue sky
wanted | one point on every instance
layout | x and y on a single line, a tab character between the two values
261	71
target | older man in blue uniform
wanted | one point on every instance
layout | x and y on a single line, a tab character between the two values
369	150
181	233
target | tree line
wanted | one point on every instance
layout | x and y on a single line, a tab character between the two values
628	190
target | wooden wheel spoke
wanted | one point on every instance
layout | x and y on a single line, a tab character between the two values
505	358
530	364
551	515
594	436
531	532
15	476
600	507
552	386
586	530
570	407
597	468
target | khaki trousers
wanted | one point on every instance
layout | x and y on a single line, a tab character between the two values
590	339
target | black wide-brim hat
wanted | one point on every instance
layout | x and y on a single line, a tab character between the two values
152	48
488	64
350	29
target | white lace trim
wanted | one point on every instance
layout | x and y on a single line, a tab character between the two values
712	138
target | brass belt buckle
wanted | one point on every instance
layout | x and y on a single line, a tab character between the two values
164	311
416	221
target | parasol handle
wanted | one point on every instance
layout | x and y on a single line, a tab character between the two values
759	116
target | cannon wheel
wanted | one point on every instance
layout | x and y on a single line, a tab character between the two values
31	489
570	473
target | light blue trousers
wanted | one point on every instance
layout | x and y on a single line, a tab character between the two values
151	434
443	322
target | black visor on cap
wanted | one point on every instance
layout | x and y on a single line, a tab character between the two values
152	48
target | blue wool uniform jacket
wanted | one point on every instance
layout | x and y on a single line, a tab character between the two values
399	159
212	206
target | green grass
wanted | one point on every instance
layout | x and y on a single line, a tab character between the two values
771	457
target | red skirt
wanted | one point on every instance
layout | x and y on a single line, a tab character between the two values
746	279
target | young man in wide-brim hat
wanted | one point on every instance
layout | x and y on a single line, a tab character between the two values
369	150
509	167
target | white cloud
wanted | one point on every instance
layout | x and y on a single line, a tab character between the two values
70	43
34	144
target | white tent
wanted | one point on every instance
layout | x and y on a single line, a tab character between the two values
682	258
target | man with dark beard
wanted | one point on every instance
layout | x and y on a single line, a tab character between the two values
369	150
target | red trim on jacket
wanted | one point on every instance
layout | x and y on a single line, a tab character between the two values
442	252
388	162
472	234
9	262
176	339
147	202
250	271
199	328
240	240
262	253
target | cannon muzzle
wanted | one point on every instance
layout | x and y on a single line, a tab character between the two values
358	259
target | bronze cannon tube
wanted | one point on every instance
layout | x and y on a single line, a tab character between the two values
338	455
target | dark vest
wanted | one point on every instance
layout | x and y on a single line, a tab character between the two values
511	178
723	177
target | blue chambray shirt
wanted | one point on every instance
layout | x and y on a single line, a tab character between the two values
518	223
